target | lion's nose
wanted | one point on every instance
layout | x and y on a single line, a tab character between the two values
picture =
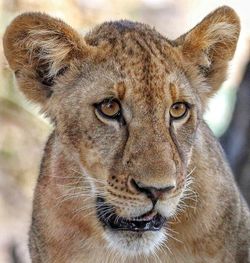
152	193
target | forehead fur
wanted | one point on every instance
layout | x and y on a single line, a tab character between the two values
132	39
148	62
113	31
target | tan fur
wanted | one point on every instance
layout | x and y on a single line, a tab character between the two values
86	155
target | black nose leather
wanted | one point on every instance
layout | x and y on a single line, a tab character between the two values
152	193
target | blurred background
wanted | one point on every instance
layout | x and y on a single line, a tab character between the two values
23	131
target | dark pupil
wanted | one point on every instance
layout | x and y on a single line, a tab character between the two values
111	105
177	107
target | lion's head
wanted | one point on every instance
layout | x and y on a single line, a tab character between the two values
126	103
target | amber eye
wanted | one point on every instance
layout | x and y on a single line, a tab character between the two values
178	110
109	108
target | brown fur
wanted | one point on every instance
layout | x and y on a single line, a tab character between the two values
86	155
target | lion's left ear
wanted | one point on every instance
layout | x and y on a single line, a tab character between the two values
211	45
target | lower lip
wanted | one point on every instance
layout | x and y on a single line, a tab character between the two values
149	222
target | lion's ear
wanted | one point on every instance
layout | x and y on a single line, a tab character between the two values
39	48
211	45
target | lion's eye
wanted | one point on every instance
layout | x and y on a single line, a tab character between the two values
178	110
109	108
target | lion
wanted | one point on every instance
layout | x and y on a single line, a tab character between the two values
131	171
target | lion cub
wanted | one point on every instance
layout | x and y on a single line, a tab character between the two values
131	172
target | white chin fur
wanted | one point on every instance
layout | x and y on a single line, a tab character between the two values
134	243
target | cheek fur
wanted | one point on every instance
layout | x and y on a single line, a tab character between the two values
184	136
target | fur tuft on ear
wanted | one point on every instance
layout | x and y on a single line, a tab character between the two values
211	45
39	48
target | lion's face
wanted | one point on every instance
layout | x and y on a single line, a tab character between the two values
126	105
132	126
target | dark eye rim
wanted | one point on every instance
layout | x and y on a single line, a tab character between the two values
188	107
116	116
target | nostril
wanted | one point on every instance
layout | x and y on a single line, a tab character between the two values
135	185
132	186
153	193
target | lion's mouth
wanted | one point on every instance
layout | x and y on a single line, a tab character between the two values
150	221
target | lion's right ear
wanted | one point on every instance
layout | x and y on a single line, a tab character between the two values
39	48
